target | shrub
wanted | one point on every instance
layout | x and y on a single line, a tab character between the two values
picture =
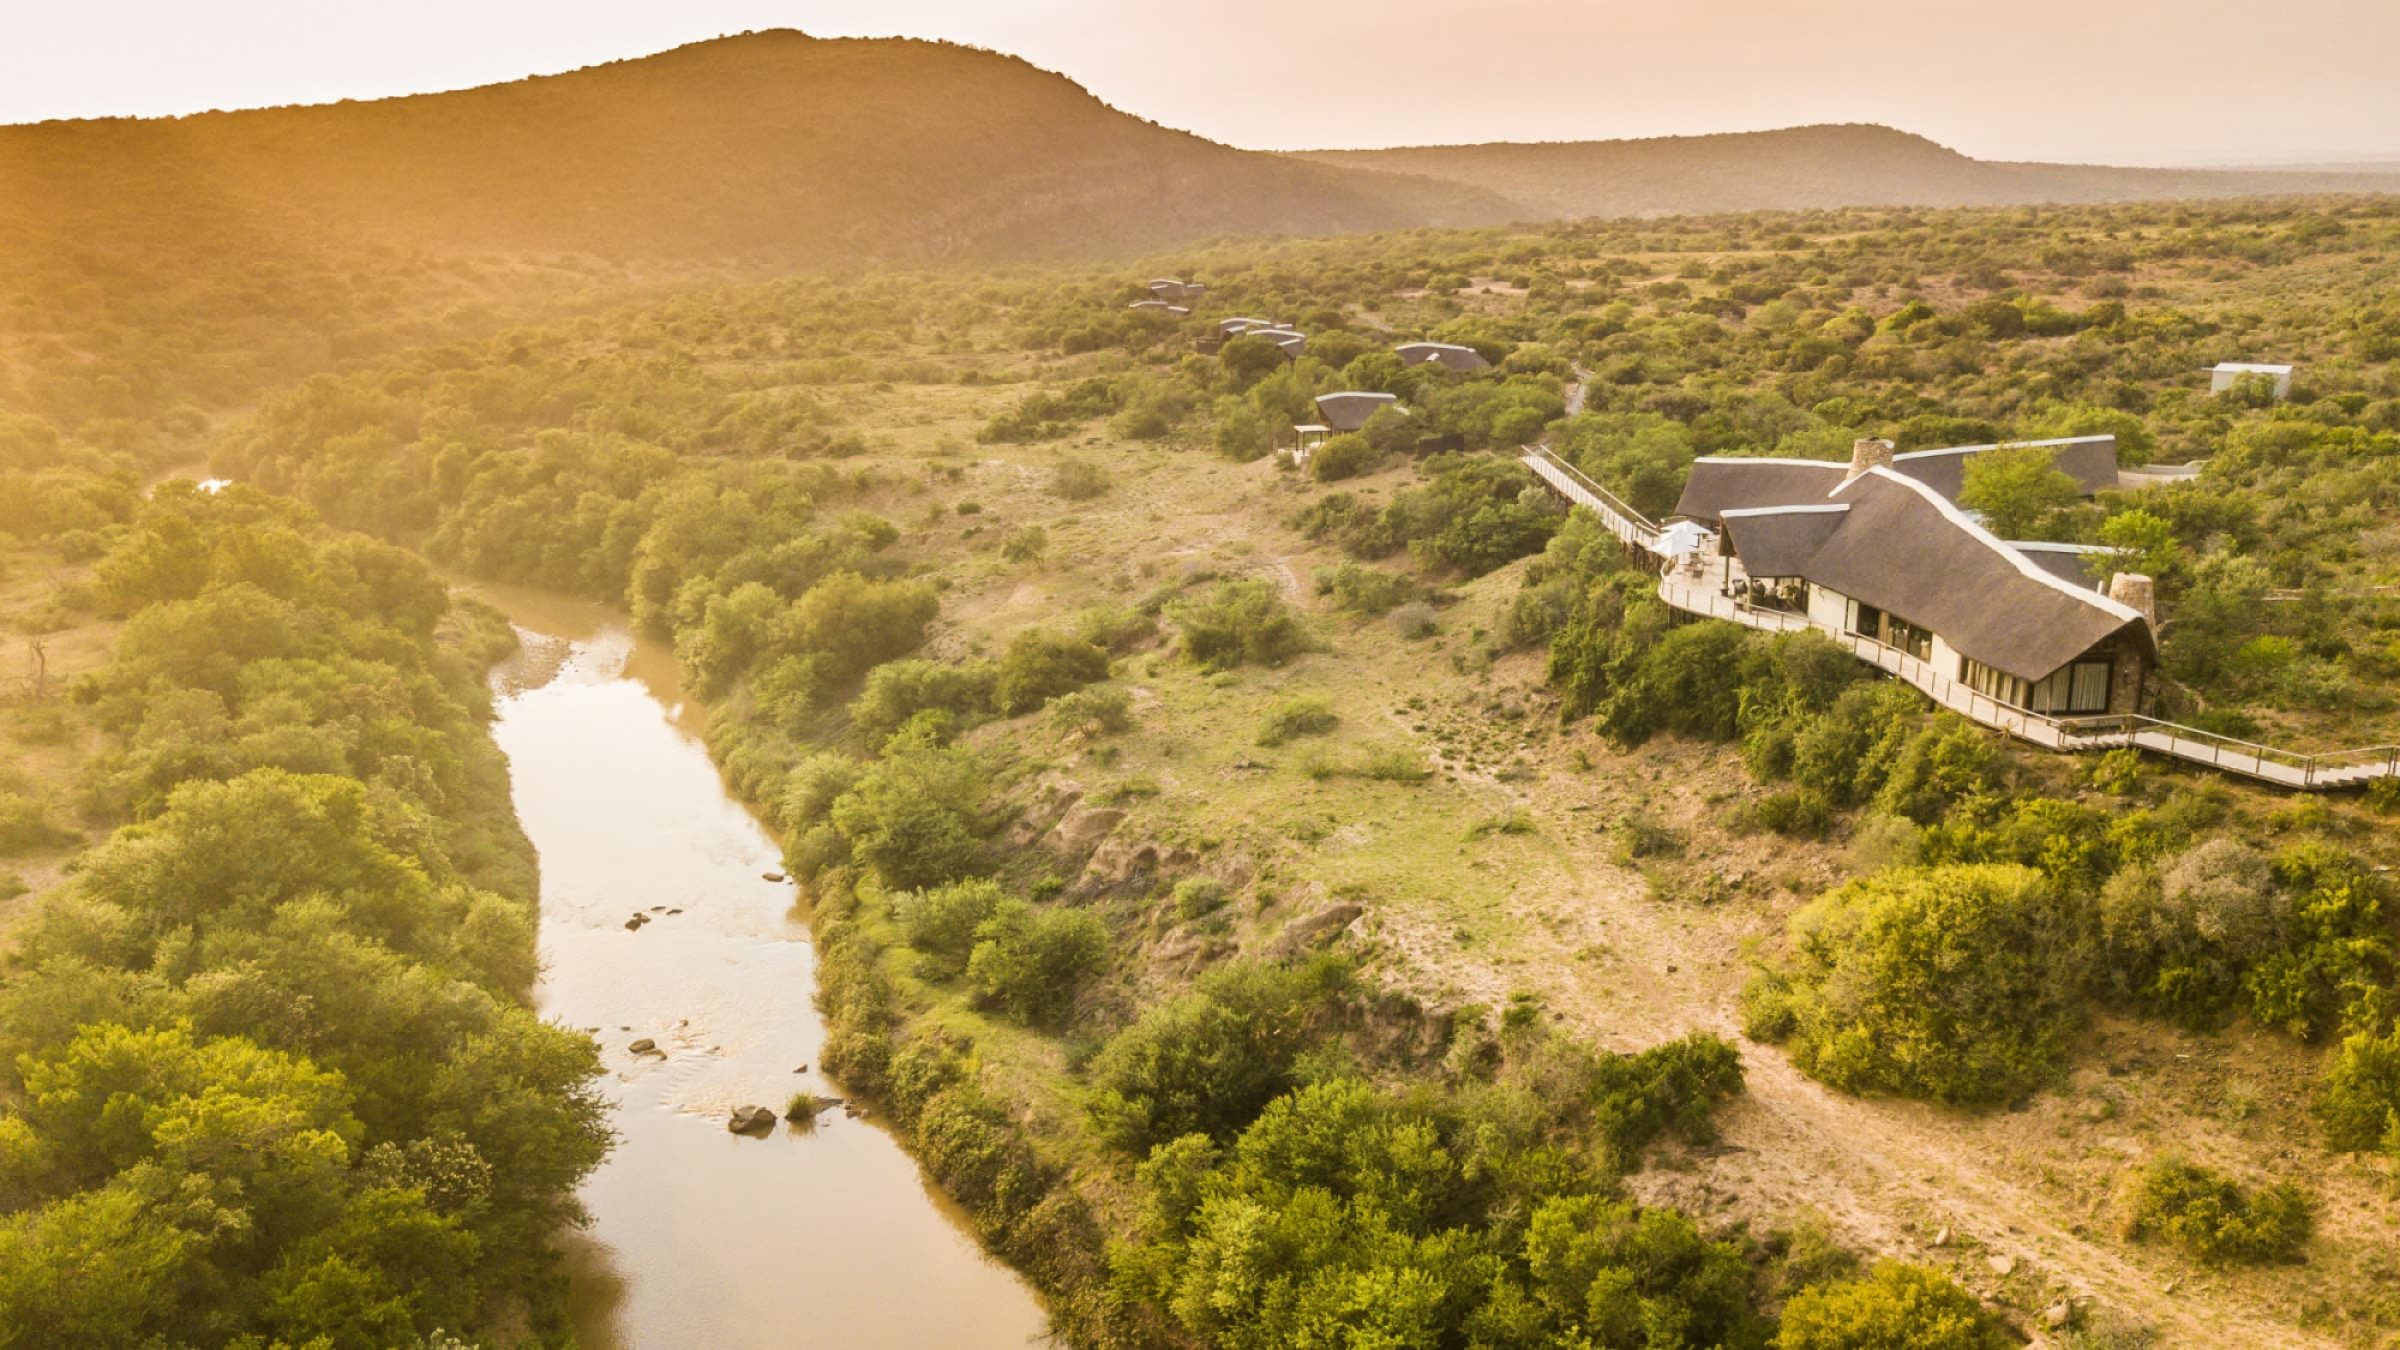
898	690
1033	963
1343	457
2213	1220
941	922
1304	715
1800	813
1940	766
1094	712
1079	480
2180	938
1206	1062
1025	544
1895	1306
1113	628
25	825
1415	620
1359	589
1039	666
914	817
1958	983
1198	897
1640	834
2359	1101
1394	764
1239	622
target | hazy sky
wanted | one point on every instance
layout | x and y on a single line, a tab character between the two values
2167	81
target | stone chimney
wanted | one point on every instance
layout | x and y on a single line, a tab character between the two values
2135	591
1868	453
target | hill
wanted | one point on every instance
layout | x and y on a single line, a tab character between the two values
775	146
1806	168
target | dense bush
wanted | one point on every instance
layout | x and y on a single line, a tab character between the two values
1960	984
941	922
1239	623
915	818
1895	1306
1208	1061
2214	1220
290	1093
2360	1101
1296	717
1032	963
898	690
1359	589
1348	1215
1343	457
1039	666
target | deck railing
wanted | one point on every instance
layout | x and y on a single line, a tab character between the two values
2309	770
1573	484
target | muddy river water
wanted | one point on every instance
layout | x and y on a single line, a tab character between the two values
818	1236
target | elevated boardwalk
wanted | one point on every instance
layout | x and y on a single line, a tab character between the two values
2264	763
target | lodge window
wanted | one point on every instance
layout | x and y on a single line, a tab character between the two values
2078	688
2081	687
1889	629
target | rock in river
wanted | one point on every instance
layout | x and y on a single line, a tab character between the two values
751	1120
772	876
643	1046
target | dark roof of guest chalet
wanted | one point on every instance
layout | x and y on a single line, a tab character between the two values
1778	541
2090	460
1905	550
2067	562
1721	483
1350	410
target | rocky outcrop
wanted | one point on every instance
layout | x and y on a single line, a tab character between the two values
1315	928
751	1120
1083	828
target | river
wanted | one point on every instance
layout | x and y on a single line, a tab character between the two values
824	1235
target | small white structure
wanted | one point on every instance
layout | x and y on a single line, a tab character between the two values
1305	440
1176	292
1448	355
1160	307
2226	374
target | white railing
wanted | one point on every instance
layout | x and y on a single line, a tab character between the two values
1571	483
2285	768
2267	763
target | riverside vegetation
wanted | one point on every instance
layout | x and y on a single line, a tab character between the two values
1224	941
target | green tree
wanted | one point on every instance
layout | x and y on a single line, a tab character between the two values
1895	1306
2016	488
1959	983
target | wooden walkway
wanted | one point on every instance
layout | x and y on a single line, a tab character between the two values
2263	763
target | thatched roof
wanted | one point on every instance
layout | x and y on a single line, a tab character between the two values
2090	460
1778	541
1350	410
1722	483
1905	550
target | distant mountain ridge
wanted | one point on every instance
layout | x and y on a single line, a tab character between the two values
1798	168
786	150
774	145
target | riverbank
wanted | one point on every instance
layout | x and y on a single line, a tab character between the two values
826	1231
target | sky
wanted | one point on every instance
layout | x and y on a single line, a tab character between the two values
2179	82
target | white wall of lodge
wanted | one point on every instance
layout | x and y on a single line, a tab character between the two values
1827	608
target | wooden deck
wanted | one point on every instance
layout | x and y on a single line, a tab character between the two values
2264	763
